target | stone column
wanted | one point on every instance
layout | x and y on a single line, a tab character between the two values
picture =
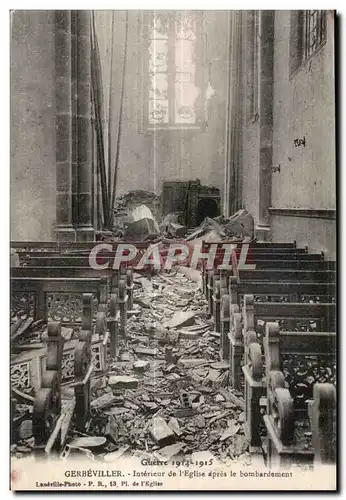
64	227
265	121
235	145
74	117
85	230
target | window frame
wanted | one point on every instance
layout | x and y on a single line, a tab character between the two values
300	53
200	75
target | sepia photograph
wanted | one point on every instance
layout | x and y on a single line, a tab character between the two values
173	301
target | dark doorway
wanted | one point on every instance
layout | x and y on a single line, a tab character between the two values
207	207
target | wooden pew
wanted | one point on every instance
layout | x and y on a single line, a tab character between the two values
41	287
66	260
253	244
266	265
277	291
28	367
299	343
76	248
280	275
268	261
282	411
266	291
271	252
274	292
50	420
324	315
61	272
38	290
314	265
276	255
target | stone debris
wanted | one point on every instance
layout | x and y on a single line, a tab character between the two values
136	408
172	450
181	318
141	366
230	431
240	224
174	230
160	432
146	351
116	381
141	230
88	442
174	425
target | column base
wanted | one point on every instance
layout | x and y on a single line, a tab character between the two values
65	234
86	233
263	232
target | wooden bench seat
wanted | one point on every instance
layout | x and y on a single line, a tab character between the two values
254	256
61	272
280	275
314	265
62	247
292	291
68	261
253	244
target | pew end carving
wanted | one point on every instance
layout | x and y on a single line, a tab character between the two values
113	325
225	327
236	348
47	403
217	305
322	417
254	389
82	373
129	288
122	302
210	290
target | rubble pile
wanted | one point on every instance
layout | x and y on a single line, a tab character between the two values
167	392
238	226
126	203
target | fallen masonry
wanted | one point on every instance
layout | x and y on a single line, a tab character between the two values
137	407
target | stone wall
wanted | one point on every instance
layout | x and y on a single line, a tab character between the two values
32	166
303	108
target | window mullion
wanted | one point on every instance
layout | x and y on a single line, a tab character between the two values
171	70
308	31
320	28
256	60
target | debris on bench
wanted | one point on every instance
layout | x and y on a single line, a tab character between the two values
22	329
14	258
